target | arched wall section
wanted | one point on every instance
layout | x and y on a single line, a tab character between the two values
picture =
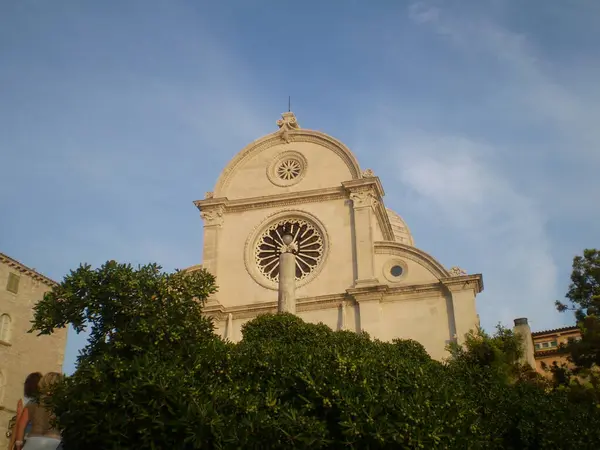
416	266
328	163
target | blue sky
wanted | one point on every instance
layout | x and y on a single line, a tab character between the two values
480	118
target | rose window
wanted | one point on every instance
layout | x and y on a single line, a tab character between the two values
309	244
289	169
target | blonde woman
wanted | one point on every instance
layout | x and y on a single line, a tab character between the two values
42	435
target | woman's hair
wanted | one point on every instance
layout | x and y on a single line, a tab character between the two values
31	384
48	381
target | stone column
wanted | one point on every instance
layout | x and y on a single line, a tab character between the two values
363	202
286	301
523	330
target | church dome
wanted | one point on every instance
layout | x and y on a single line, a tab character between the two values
401	231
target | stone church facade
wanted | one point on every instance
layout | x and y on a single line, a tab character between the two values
357	267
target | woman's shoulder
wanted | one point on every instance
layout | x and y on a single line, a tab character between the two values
31	404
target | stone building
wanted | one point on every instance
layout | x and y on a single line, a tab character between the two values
20	352
356	264
549	346
541	349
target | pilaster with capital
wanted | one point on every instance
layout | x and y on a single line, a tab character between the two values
364	199
213	217
462	289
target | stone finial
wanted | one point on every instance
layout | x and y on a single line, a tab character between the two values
209	195
456	272
368	173
286	123
288	120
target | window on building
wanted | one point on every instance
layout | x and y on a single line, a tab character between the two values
553	344
545	344
5	327
537	346
13	283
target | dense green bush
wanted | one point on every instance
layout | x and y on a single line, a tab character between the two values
155	376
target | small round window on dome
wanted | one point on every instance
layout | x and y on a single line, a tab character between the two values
396	270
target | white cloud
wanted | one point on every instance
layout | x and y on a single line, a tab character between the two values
499	230
496	192
526	82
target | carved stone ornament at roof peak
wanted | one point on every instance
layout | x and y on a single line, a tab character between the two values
286	123
457	272
368	173
209	195
288	120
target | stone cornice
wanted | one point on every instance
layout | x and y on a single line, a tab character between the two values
368	290
291	135
26	270
461	282
220	312
272	201
384	221
388	293
365	184
413	253
382	293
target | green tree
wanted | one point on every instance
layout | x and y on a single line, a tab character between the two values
154	375
584	300
499	353
149	343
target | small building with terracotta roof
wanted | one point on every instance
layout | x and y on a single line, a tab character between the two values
549	346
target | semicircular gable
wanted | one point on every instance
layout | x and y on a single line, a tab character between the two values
412	253
275	139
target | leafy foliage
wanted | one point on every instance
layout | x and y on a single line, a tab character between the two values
500	354
136	377
154	375
584	299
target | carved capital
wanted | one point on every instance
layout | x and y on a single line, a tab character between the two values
363	199
212	216
288	248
